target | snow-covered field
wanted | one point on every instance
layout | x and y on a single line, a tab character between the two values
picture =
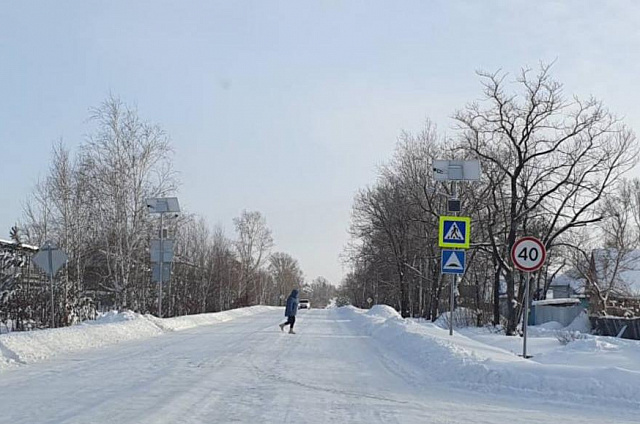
345	366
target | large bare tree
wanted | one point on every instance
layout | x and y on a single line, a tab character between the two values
125	161
552	160
253	246
286	275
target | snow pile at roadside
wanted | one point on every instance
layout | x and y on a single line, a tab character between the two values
189	321
552	325
111	328
464	362
580	323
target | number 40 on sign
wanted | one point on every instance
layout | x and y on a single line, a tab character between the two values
528	254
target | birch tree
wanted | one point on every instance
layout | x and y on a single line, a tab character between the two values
253	245
124	162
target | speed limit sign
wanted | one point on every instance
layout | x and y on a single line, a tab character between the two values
528	254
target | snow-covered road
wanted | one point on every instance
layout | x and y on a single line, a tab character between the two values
247	371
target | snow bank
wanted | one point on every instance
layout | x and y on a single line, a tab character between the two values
111	328
191	321
464	362
551	325
383	312
580	323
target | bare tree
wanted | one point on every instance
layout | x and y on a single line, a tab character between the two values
253	245
286	275
601	255
321	292
124	162
93	205
554	159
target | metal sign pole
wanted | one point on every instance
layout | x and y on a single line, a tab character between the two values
50	259
161	265
454	171
53	310
528	255
525	316
454	279
451	304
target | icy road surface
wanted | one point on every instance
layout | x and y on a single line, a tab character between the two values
247	371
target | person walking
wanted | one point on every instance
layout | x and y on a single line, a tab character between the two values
290	311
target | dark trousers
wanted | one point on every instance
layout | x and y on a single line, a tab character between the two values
290	322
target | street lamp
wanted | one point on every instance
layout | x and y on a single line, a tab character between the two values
162	205
454	171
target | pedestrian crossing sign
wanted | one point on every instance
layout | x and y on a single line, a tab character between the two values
453	261
454	231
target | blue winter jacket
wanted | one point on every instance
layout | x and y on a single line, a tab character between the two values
292	304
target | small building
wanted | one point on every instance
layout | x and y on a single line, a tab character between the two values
565	286
563	310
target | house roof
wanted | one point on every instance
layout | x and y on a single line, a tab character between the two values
557	302
13	245
567	279
627	273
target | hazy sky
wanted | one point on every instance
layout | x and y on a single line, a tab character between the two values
285	107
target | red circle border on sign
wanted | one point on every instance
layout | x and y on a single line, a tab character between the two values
542	248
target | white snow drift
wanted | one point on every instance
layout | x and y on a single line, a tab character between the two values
28	347
578	371
585	369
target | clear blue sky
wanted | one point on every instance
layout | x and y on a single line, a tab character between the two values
285	107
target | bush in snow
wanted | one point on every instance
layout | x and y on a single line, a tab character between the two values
566	337
342	301
462	317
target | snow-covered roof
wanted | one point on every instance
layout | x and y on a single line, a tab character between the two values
628	272
567	279
13	244
565	301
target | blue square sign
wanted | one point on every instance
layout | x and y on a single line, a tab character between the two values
454	232
452	261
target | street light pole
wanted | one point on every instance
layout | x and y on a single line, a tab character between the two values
454	171
162	205
161	263
454	280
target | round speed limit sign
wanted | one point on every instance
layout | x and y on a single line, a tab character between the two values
528	254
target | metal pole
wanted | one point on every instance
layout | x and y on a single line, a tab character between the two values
161	265
451	303
525	317
53	310
454	278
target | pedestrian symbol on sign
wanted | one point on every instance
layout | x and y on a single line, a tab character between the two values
454	232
